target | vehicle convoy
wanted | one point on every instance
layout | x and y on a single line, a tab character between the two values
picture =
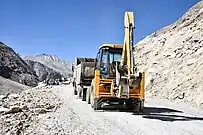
115	77
83	74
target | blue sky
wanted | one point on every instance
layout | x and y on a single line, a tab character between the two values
76	28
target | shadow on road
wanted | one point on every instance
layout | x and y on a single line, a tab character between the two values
149	110
171	117
156	113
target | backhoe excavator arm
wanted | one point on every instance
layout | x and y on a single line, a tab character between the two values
127	59
126	74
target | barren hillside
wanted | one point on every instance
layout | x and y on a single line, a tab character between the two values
9	86
173	59
14	68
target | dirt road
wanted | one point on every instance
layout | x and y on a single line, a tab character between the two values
76	117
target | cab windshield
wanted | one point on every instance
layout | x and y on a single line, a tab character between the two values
108	57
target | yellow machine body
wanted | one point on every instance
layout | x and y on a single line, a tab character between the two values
116	77
103	88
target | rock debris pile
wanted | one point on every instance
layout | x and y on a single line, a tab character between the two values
18	112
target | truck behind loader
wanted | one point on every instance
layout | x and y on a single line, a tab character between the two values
83	74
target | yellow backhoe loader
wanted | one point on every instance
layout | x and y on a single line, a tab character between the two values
116	78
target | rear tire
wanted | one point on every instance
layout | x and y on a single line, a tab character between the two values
121	102
129	104
135	105
75	91
79	91
84	92
142	106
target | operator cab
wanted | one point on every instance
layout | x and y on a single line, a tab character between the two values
106	59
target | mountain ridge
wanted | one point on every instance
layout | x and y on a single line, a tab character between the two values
53	62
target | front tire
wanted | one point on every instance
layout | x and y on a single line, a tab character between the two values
84	92
96	104
88	95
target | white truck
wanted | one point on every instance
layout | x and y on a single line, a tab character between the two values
83	73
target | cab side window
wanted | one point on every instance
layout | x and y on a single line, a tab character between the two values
104	61
98	60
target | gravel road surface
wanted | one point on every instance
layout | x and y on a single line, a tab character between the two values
76	117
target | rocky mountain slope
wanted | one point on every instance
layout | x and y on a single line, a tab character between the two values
43	72
53	62
9	86
14	68
173	59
